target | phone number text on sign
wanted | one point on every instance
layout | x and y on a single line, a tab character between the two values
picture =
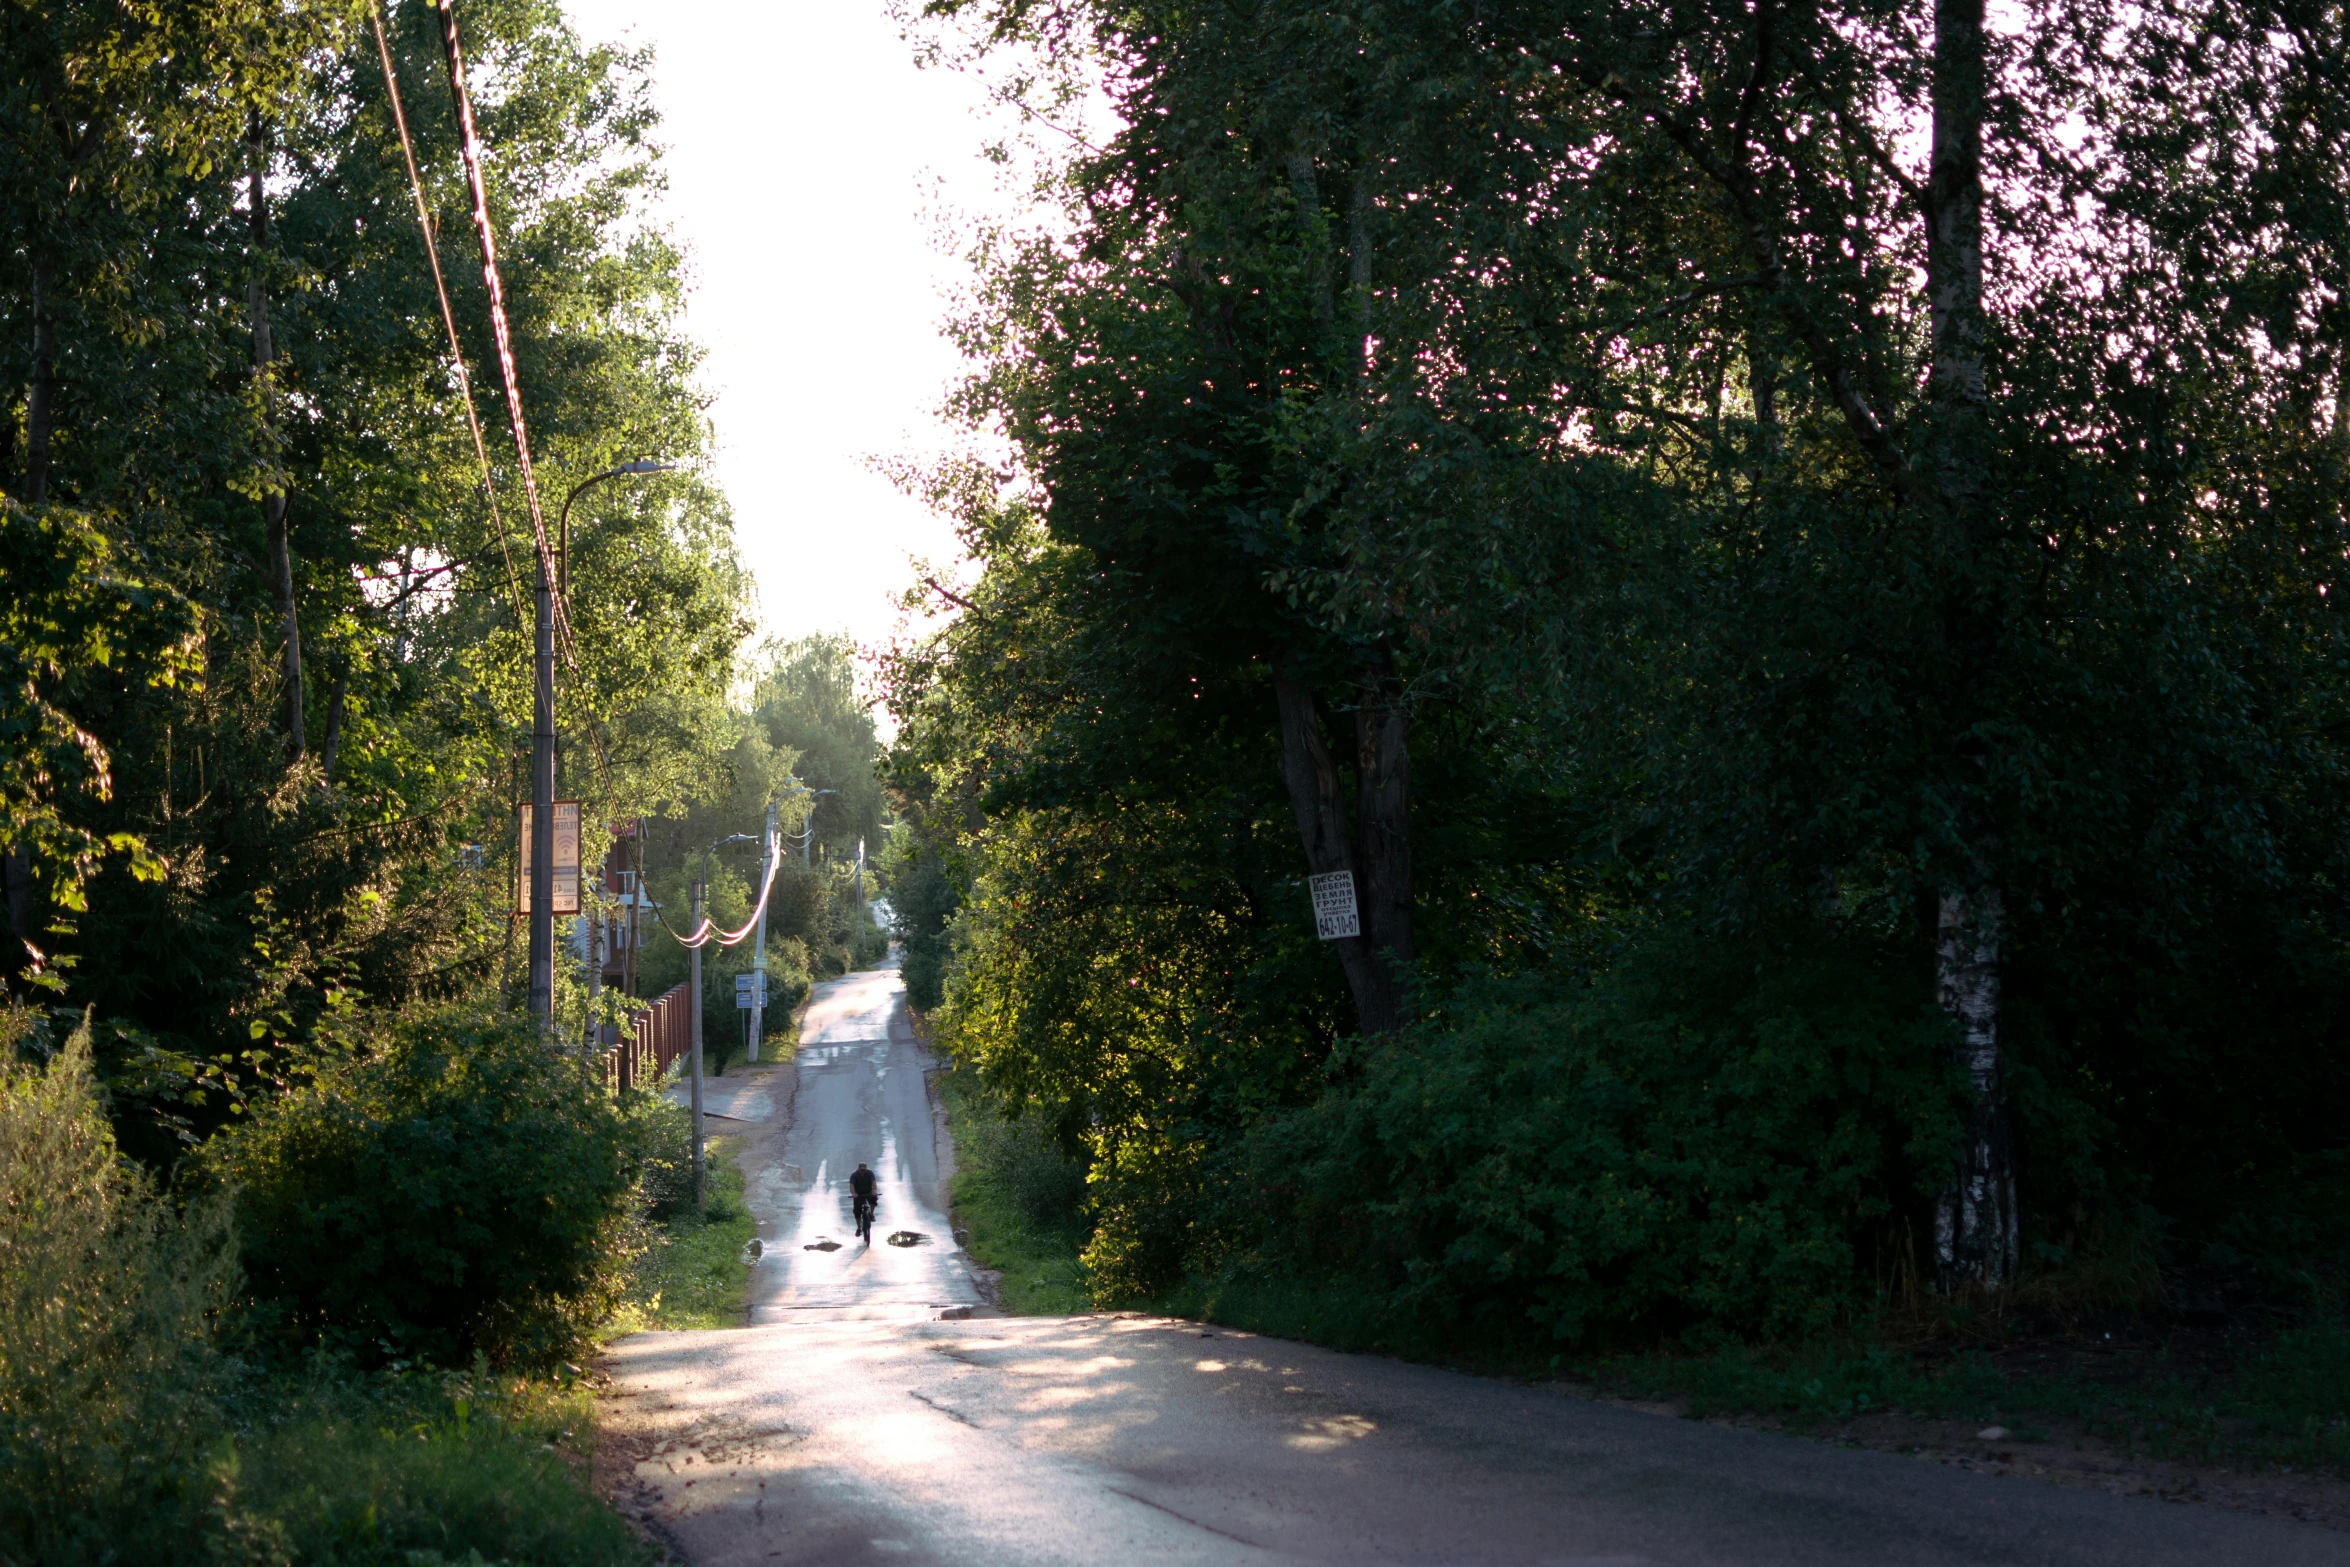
1334	906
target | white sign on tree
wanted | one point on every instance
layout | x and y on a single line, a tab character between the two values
1334	906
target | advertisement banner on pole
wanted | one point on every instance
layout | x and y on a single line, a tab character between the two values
566	858
1335	918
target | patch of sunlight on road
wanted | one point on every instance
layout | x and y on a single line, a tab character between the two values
908	1441
1063	1397
1063	1368
1320	1436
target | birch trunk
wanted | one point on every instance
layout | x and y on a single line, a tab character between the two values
281	557
1975	1235
1975	1239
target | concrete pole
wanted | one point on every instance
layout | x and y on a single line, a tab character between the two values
769	848
696	924
542	810
595	968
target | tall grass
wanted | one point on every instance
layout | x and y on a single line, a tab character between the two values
107	1375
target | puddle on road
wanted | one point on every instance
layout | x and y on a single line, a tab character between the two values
909	1238
826	1244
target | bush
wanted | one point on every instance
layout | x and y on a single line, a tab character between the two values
106	1365
1712	1139
455	1187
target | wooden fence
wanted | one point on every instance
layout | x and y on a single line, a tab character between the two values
663	1033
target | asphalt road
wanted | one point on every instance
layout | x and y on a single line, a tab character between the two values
851	1424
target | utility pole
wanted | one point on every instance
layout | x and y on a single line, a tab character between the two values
808	823
595	967
701	896
696	926
769	849
636	901
542	733
542	806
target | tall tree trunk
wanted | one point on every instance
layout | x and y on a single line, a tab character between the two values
40	414
16	871
1975	1221
281	556
334	721
1762	383
1315	795
1383	821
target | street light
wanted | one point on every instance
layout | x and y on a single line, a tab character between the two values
701	884
542	758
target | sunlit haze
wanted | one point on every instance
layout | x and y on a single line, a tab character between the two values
807	162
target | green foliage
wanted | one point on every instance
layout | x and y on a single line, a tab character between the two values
1558	382
125	1436
1712	1138
452	1187
807	702
1019	1200
106	1300
275	889
423	1470
691	1271
2274	1399
68	616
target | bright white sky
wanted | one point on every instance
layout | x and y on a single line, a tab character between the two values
807	159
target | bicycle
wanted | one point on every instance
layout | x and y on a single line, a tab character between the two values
862	1208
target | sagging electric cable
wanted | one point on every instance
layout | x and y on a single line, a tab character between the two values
469	144
707	931
432	252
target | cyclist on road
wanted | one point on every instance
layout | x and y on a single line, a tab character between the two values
862	1199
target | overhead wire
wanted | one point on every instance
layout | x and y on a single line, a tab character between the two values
440	285
469	144
706	932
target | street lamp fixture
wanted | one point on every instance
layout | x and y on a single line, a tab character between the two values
542	756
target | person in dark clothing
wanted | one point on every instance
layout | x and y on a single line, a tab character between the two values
863	1197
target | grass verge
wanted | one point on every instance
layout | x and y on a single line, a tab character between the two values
419	1469
693	1273
1014	1205
2278	1400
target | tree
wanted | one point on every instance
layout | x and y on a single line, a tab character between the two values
1848	543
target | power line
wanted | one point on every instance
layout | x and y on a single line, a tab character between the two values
432	253
469	144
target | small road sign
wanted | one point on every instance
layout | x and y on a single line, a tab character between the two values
1334	906
750	989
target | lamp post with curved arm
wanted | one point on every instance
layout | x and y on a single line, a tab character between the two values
542	757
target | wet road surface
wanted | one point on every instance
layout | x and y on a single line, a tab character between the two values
849	1424
861	1094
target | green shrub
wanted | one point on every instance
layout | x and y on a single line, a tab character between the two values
1019	1199
106	1364
1712	1139
456	1186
